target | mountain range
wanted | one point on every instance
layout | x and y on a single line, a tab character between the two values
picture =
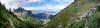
39	14
70	17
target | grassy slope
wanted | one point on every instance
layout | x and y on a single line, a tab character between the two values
9	20
94	19
4	20
68	16
65	18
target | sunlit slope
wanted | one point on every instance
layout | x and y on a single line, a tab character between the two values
9	20
71	14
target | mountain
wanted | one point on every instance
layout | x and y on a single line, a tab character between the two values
39	14
10	20
70	17
19	10
80	14
25	14
47	11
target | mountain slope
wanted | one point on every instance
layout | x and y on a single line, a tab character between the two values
70	16
9	20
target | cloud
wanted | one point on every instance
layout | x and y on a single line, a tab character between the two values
54	7
12	3
16	3
61	0
37	4
50	6
20	3
35	1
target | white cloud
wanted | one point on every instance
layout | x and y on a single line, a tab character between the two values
12	3
15	3
61	1
49	6
35	1
57	7
19	3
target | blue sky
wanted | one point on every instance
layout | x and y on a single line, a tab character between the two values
56	5
48	4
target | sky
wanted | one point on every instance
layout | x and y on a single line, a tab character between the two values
53	5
